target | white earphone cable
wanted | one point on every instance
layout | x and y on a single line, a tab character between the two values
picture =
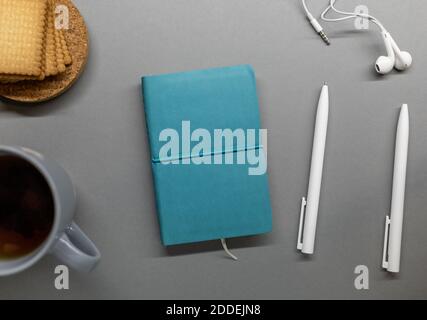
305	7
315	24
348	15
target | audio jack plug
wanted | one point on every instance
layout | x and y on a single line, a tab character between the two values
324	37
316	26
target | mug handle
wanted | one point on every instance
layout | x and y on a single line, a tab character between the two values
76	250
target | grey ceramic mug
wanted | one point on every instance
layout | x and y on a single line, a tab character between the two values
66	240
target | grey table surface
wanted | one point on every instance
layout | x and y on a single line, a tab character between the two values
97	132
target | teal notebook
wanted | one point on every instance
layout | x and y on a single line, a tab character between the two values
197	201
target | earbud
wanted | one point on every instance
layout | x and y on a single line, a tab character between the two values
385	64
403	58
403	61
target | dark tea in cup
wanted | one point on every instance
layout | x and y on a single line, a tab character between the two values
26	207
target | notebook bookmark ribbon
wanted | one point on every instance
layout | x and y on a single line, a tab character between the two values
224	245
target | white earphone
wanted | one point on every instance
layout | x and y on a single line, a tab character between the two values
403	58
400	60
385	64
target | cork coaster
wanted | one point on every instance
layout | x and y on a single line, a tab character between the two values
40	91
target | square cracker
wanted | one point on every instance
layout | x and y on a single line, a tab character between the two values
63	56
59	52
62	52
67	56
22	37
51	65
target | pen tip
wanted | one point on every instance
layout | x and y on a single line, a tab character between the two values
325	83
404	109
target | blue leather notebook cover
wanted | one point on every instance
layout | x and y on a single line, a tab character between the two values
199	202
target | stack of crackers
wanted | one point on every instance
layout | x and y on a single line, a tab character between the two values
31	48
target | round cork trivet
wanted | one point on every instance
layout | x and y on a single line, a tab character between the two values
51	87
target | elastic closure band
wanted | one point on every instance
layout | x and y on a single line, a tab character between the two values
213	153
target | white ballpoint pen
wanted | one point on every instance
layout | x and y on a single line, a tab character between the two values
310	206
394	222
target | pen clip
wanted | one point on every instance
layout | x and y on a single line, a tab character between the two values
385	249
301	221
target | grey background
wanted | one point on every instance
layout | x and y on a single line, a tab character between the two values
97	132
